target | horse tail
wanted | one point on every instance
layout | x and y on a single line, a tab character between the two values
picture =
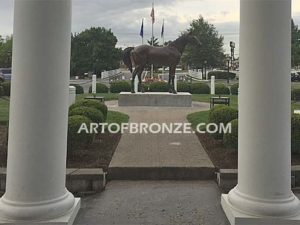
127	57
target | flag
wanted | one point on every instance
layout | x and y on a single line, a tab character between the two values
152	14
163	29
142	29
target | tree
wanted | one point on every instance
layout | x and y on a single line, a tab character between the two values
295	45
155	41
211	49
94	50
5	52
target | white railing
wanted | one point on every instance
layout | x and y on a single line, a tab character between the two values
107	74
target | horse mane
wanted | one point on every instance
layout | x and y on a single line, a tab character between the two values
179	43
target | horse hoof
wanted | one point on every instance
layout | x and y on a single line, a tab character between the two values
132	92
175	92
170	91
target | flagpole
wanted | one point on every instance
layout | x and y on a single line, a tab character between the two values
163	44
152	37
143	31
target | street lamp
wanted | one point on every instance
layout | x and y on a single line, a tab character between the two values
205	63
228	59
232	47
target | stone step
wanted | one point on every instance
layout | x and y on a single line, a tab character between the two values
161	173
78	181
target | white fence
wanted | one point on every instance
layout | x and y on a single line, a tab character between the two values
107	74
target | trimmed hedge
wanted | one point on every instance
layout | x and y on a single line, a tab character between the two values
93	114
79	89
1	91
295	145
91	103
200	88
230	140
222	114
183	87
76	140
296	94
100	88
6	88
119	86
234	89
159	87
222	89
221	75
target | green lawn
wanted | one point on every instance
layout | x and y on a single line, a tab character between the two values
206	98
197	118
116	117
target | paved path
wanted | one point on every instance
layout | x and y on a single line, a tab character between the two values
160	156
154	203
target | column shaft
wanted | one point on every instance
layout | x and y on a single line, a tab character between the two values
35	187
264	168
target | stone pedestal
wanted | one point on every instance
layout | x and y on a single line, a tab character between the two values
161	99
37	146
263	194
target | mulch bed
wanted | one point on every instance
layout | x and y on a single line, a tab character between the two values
96	155
225	158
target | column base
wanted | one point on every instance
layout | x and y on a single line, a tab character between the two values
238	218
64	220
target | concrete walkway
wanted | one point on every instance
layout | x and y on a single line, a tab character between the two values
154	202
160	156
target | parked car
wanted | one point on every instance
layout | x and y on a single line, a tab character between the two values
6	73
295	76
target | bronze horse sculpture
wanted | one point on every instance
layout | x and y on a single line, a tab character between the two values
168	56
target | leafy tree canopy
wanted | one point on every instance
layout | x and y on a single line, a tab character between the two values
5	52
295	45
94	50
211	48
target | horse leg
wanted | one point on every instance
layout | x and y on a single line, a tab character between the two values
132	80
141	86
170	81
173	84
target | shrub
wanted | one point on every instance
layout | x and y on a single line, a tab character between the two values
231	139
221	75
91	103
76	140
159	87
6	88
200	88
1	91
222	114
296	94
93	114
100	88
221	89
119	86
295	145
234	89
79	89
183	87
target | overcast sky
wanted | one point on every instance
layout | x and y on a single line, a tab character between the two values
124	17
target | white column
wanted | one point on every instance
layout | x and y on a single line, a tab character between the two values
94	84
263	194
175	82
212	85
36	167
72	95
